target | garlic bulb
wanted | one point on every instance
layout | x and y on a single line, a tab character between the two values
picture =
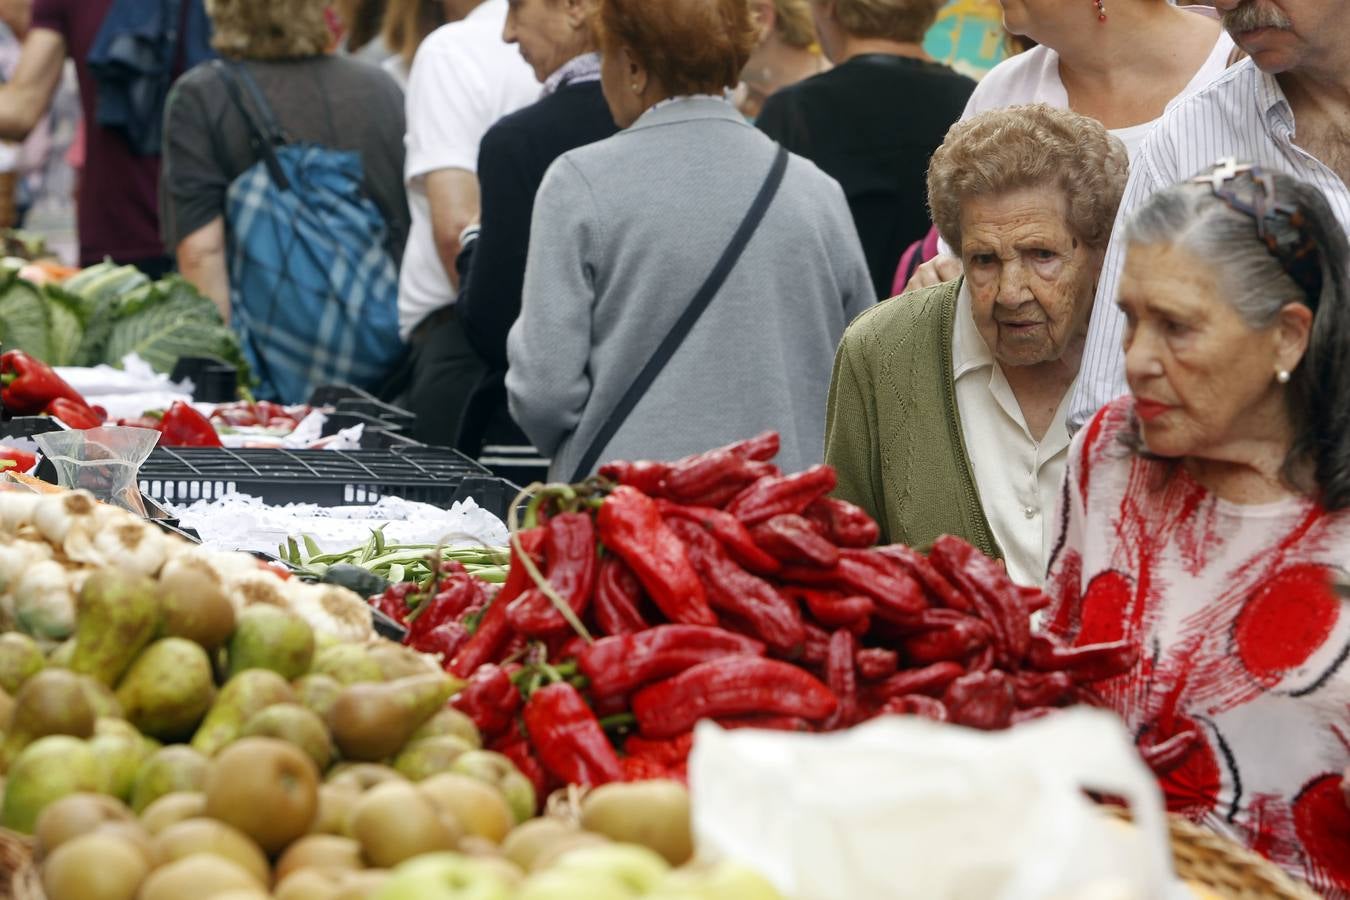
56	515
256	586
132	544
16	509
44	600
330	610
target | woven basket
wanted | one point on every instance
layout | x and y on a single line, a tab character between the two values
1230	870
19	876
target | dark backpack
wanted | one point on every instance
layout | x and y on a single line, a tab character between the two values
133	61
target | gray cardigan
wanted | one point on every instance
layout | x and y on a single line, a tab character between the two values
624	232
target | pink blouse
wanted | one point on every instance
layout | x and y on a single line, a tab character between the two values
1241	702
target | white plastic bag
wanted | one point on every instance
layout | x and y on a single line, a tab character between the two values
903	808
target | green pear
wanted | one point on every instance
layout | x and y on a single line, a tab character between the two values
62	654
498	771
347	663
318	693
168	689
558	885
723	881
51	702
294	724
445	876
430	756
119	758
116	615
241	697
194	604
373	721
101	698
449	720
48	769
170	769
637	868
20	657
268	637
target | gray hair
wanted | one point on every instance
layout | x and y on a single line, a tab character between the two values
1257	286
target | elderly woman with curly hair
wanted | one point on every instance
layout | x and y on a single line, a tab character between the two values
317	97
947	410
1206	514
627	232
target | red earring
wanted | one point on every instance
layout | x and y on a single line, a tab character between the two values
1101	10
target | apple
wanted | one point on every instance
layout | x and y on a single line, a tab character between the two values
723	881
637	868
443	876
498	770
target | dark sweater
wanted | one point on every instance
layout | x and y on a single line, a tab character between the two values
872	123
512	159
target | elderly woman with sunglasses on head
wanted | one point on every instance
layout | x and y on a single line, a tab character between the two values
1204	515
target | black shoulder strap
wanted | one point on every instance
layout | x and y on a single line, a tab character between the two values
264	134
688	318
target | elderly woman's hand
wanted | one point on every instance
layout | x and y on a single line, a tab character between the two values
938	270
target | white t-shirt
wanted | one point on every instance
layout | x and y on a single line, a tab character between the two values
464	78
1033	77
1017	476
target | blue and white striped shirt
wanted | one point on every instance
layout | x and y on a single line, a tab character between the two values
1243	114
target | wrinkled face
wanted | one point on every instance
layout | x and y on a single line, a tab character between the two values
1031	281
1281	35
546	32
1201	377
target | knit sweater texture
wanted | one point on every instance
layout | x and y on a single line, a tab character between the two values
892	426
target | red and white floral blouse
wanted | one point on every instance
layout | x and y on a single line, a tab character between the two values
1241	701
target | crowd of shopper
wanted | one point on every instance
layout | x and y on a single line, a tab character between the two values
630	228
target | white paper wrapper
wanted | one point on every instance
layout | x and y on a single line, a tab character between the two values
903	808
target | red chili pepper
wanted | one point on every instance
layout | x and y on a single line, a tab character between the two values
445	639
1041	689
734	536
843	523
183	426
731	686
493	634
30	385
766	723
897	596
617	597
841	674
568	737
876	663
394	601
446	605
617	665
1095	662
74	413
489	698
816	647
631	526
940	590
637	768
100	412
761	448
932	679
569	551
1030	715
831	608
22	459
713	478
915	705
790	538
517	749
666	751
981	700
771	497
997	600
755	603
955	642
644	475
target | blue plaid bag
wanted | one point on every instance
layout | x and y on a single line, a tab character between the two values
313	288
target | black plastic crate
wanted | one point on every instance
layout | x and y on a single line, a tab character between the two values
435	475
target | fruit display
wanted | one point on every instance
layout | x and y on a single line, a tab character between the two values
716	587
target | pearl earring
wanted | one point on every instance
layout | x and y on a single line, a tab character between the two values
1101	10
1282	376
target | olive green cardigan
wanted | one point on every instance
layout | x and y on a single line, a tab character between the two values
892	429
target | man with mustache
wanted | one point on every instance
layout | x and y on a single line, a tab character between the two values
1286	108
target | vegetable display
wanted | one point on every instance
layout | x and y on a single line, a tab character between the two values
715	587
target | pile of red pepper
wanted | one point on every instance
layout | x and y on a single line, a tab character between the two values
259	414
30	387
659	594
